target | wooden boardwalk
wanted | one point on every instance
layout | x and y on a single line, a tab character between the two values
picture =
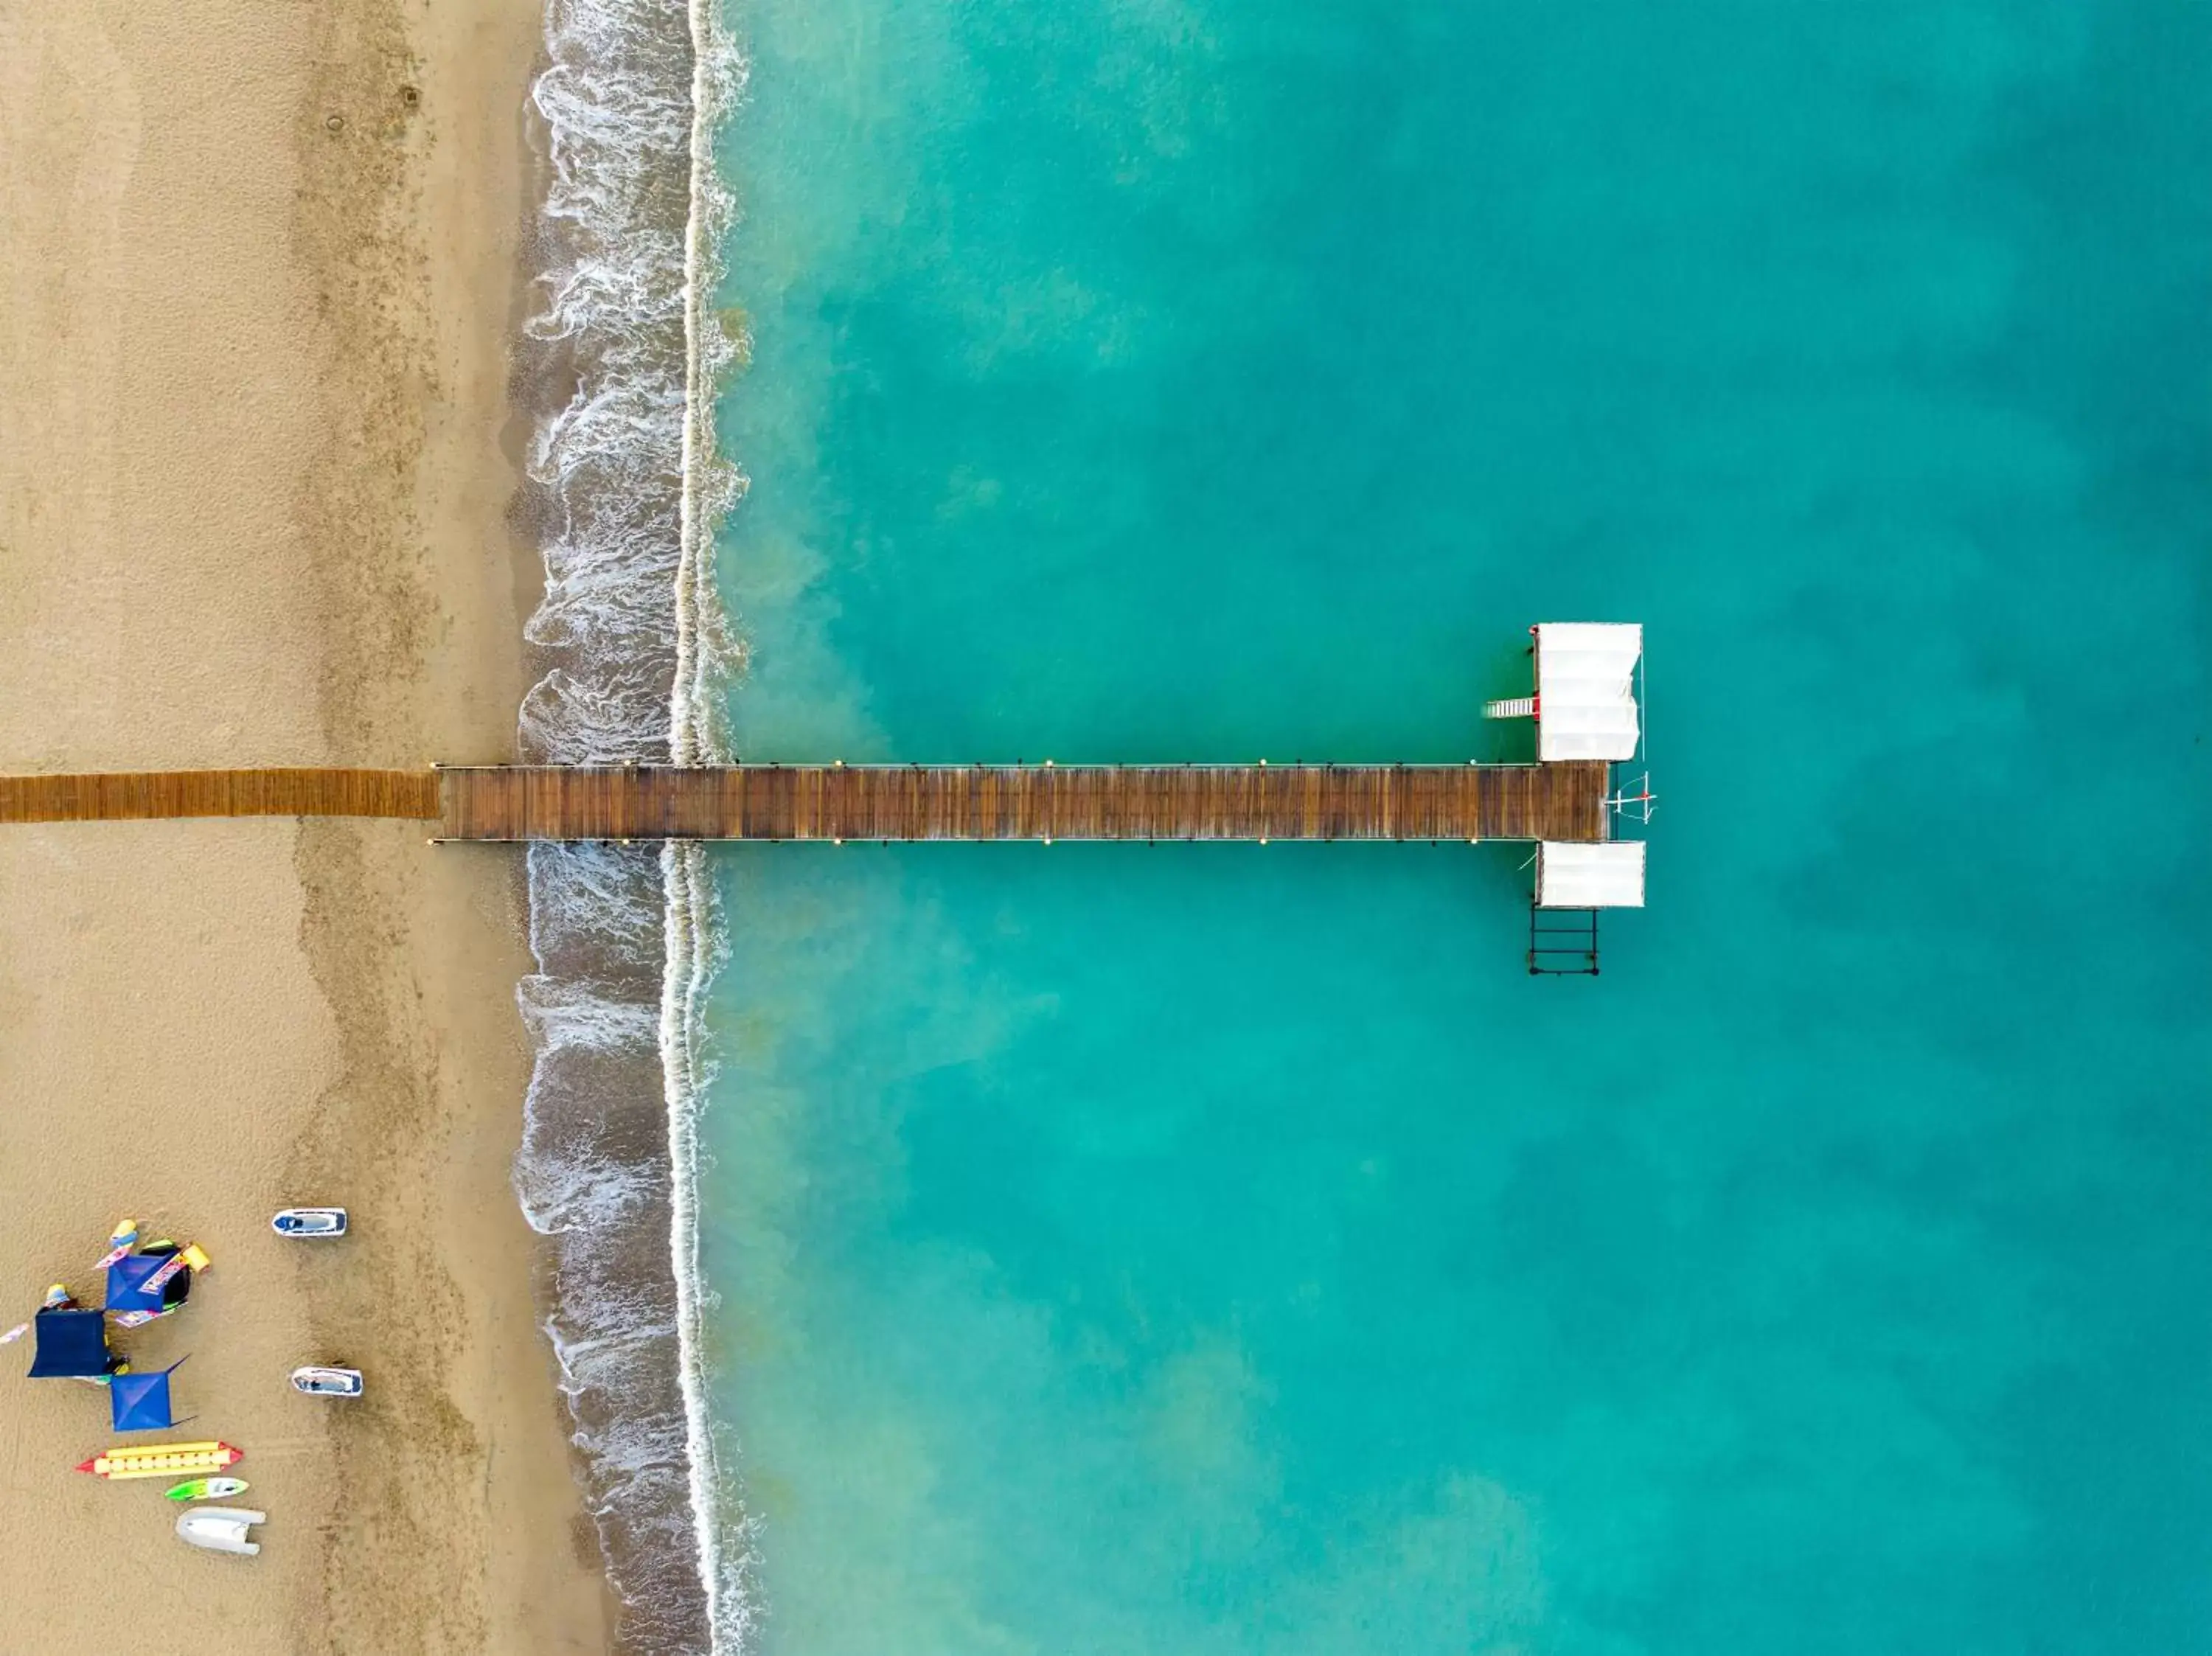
1559	802
111	796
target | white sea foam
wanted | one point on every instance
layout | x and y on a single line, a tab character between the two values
629	490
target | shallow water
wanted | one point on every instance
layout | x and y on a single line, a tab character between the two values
1229	1250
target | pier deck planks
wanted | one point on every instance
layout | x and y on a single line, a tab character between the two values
115	796
1557	802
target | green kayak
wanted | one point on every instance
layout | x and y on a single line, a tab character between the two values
206	1489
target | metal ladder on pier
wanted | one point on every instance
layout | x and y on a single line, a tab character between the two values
1562	943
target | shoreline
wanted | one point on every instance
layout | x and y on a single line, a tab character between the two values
631	649
259	454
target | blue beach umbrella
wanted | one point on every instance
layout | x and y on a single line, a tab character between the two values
140	1403
130	1288
71	1344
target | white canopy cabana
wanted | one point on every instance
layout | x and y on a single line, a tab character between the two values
1606	876
1586	690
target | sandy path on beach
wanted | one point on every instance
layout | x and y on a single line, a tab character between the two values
257	281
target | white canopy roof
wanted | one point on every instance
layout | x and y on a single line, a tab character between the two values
1586	690
1608	875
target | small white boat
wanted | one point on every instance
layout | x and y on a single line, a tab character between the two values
320	1382
310	1221
220	1529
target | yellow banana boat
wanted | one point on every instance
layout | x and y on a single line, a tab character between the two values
162	1460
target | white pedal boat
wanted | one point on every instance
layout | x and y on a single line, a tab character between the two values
220	1529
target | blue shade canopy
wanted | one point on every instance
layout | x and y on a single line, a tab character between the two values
140	1403
127	1278
70	1343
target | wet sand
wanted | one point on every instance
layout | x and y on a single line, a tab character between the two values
257	286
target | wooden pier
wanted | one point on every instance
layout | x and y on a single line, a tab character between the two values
116	795
1557	802
1562	801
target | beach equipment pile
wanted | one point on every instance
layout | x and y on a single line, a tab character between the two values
145	1282
70	1341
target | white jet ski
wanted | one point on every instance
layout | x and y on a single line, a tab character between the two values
309	1221
319	1382
220	1529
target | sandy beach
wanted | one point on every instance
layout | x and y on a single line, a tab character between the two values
257	288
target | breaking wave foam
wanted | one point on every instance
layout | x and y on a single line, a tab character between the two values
624	492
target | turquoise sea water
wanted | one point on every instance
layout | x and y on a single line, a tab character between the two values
1229	1250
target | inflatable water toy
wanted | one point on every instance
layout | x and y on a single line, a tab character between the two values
121	1240
319	1382
310	1221
162	1460
220	1529
206	1489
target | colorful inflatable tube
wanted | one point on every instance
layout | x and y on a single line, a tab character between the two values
162	1460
